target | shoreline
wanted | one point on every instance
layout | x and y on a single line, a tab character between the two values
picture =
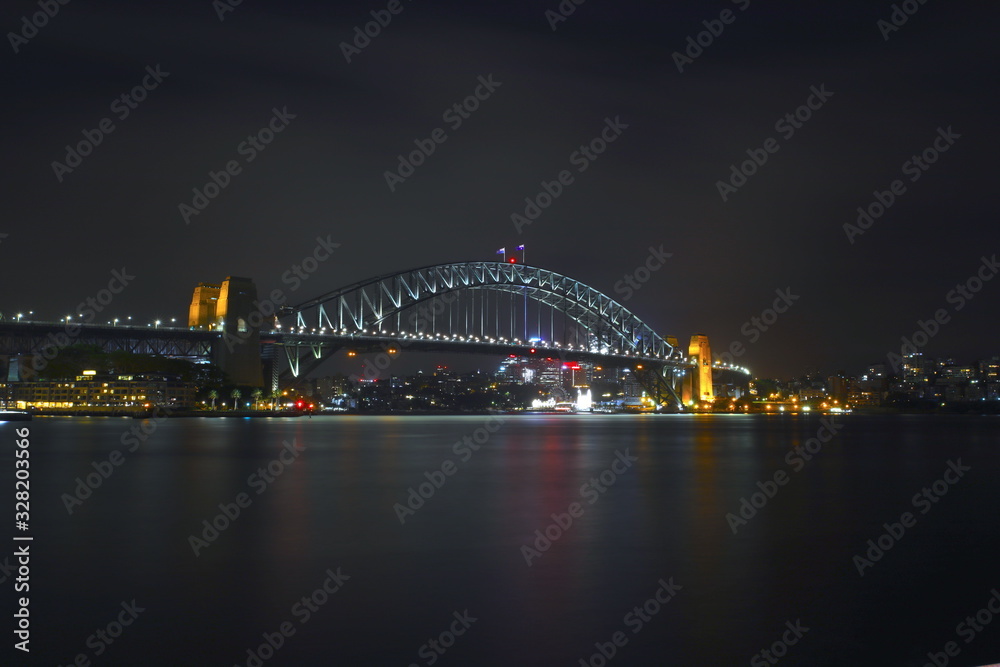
286	414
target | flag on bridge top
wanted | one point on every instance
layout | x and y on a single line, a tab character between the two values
501	251
520	247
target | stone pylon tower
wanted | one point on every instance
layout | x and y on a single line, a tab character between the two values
701	382
231	308
204	303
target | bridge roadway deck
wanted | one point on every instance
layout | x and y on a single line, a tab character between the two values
28	337
33	336
368	343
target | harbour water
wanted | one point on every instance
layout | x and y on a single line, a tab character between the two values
511	540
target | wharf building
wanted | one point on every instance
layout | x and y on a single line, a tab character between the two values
92	392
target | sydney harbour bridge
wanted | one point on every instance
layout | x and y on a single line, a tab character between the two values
493	308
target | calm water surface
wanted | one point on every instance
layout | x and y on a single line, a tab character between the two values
662	519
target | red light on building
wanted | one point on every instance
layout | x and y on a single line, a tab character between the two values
513	260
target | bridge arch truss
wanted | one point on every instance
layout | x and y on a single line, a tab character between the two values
487	301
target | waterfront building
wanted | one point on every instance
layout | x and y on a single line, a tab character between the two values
93	392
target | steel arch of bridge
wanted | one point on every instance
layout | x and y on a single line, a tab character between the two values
377	302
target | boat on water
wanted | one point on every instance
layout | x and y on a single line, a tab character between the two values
15	416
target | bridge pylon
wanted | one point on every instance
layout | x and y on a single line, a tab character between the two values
697	386
231	307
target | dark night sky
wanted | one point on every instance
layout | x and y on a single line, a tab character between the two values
656	184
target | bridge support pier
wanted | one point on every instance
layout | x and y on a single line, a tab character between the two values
660	384
701	376
238	351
